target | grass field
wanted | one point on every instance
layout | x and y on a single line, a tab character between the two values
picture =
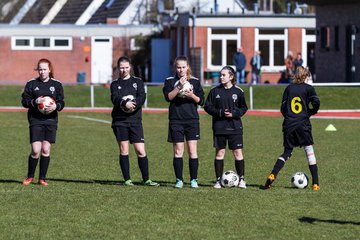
265	96
86	198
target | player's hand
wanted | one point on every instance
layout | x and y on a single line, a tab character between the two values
189	93
40	100
182	80
51	107
130	105
228	114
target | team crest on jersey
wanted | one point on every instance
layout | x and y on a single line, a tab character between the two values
234	97
135	86
52	89
119	87
217	96
36	89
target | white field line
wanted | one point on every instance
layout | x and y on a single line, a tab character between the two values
90	119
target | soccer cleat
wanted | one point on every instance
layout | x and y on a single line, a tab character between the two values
151	183
27	181
315	187
217	185
43	182
270	180
129	183
179	183
242	184
194	183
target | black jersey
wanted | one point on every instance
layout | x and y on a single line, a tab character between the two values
181	109
220	99
295	106
121	88
36	88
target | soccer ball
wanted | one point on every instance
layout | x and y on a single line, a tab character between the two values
230	179
44	106
130	98
187	86
300	180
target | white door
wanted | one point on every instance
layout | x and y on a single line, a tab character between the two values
101	60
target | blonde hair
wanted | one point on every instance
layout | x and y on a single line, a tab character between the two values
185	59
301	75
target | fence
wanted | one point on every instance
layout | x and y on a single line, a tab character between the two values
261	96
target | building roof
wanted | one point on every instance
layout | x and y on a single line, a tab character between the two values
9	9
71	11
38	11
109	9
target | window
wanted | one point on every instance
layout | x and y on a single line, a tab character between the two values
22	42
325	38
272	44
336	38
41	43
222	45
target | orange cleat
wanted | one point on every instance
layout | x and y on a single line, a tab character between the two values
27	181
43	182
269	181
315	187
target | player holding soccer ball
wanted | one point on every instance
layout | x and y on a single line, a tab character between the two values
295	108
184	118
226	104
43	124
128	95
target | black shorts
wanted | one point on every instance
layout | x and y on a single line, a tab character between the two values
43	133
129	132
235	141
178	131
299	137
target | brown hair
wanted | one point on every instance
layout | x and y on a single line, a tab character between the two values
232	73
51	68
301	75
183	58
126	59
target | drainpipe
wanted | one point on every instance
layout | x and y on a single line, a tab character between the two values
193	18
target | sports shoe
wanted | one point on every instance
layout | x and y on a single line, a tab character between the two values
194	183
242	184
217	185
315	187
43	182
129	183
270	180
27	181
151	183
179	183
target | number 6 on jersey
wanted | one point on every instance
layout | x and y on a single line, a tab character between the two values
296	106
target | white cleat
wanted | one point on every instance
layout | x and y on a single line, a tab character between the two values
242	184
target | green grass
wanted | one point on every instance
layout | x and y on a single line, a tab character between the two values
86	198
265	97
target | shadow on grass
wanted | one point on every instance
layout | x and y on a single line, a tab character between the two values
312	220
105	182
169	184
9	181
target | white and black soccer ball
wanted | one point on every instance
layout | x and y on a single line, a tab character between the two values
230	179
129	98
187	86
300	180
44	106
